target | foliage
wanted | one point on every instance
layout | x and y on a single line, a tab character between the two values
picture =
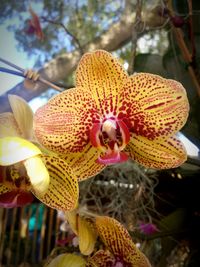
85	20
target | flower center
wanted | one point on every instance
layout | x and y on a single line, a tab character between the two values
110	137
15	177
119	263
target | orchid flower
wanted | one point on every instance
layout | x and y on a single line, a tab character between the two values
26	170
34	26
84	230
148	228
110	117
118	251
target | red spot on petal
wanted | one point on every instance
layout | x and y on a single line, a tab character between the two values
155	106
94	134
124	131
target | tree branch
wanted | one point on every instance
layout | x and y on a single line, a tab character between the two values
138	24
60	67
76	41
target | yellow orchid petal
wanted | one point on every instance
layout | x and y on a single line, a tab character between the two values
118	241
72	218
153	106
23	115
101	74
87	236
84	230
16	149
63	191
101	258
63	124
38	174
8	125
67	260
158	154
84	163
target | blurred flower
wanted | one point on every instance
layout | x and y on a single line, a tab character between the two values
110	117
67	260
148	228
26	170
34	26
177	21
119	248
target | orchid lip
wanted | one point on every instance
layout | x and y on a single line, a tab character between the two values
110	137
15	198
112	158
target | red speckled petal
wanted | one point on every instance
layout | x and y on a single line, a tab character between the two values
157	154
83	164
94	135
63	191
101	258
118	241
63	124
101	74
155	106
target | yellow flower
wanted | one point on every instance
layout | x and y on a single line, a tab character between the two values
84	230
120	251
110	117
25	170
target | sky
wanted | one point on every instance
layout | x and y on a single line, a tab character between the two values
8	51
